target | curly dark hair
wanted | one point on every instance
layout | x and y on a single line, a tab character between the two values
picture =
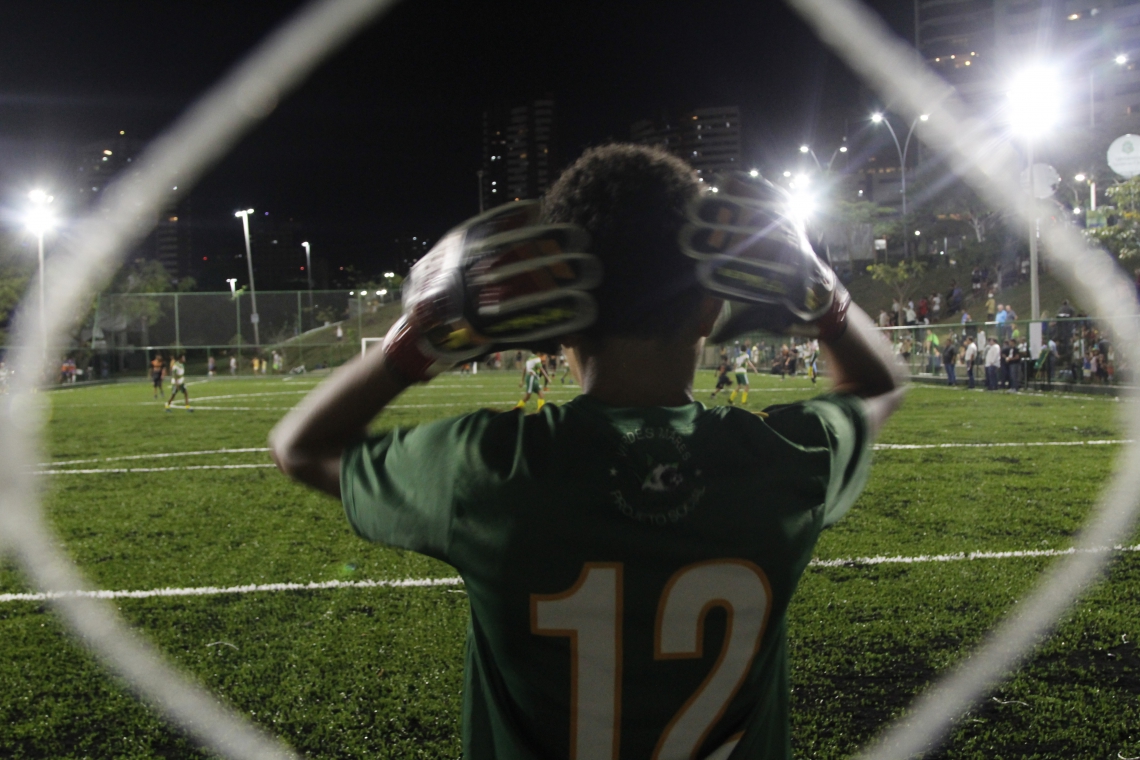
632	199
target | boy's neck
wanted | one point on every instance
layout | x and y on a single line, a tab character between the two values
633	372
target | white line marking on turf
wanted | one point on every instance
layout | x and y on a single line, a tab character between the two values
260	449
908	446
966	556
216	590
435	582
125	470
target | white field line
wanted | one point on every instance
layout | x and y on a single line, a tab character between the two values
47	468
184	468
434	582
215	590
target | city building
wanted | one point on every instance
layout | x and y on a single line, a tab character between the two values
956	39
171	241
709	139
520	157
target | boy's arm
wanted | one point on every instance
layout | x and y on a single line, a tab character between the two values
863	365
307	444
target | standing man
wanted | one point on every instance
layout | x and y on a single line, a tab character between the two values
157	369
741	363
534	372
970	357
950	359
992	363
1000	318
1012	358
178	382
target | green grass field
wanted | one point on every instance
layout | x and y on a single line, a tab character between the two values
353	672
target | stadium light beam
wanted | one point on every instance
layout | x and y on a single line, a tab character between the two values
39	220
254	317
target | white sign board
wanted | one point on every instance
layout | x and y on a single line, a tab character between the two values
880	244
1124	156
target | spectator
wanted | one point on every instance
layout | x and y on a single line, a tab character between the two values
976	280
911	317
954	298
992	363
950	359
933	353
1077	363
935	307
923	309
969	356
991	308
1013	360
1001	317
884	318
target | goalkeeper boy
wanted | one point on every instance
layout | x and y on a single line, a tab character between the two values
629	556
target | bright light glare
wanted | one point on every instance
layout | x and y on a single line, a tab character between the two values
917	233
714	189
1121	60
1079	178
39	197
803	180
924	117
1034	100
801	204
876	117
382	292
389	274
753	173
804	149
39	220
787	174
842	148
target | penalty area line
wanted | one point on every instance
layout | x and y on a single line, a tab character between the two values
259	588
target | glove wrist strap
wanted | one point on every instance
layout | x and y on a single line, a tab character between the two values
833	324
405	354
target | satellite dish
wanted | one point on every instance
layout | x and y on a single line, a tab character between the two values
1124	156
1045	179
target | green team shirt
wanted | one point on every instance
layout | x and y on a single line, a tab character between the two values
628	570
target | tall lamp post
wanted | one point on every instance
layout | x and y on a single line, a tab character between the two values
902	148
309	273
38	221
807	150
1033	107
254	318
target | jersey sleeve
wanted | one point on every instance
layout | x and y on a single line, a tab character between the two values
837	422
844	420
401	488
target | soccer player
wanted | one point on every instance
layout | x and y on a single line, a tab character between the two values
811	357
178	382
629	557
722	379
534	371
157	369
741	364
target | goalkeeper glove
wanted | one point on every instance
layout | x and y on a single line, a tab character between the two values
753	251
500	280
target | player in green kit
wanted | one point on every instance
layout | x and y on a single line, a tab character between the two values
741	364
629	556
534	375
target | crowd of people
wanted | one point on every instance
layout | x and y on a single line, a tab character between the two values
997	351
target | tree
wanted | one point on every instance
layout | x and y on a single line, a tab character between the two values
901	278
16	270
1122	237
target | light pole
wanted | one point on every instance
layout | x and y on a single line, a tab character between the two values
879	118
38	221
309	273
253	318
1033	107
807	149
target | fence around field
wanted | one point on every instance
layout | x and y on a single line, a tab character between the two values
123	331
1084	351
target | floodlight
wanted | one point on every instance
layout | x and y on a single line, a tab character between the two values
842	148
39	220
39	197
801	204
389	274
1080	178
804	149
787	174
753	173
1121	59
714	189
876	117
382	292
924	117
917	233
1034	100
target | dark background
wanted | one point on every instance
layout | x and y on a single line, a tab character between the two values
384	140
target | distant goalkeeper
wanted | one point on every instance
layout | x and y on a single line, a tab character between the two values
596	539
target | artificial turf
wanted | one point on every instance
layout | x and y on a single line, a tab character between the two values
377	672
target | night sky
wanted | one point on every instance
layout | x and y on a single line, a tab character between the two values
384	140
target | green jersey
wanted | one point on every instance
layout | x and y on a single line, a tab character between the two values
628	570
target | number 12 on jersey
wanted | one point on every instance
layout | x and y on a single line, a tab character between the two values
590	614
